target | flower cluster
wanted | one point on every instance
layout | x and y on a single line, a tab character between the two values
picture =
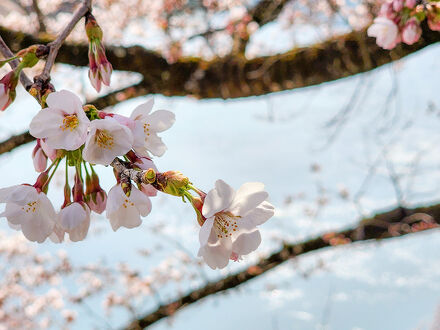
84	136
399	21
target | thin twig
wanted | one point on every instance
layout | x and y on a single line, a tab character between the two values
57	43
40	16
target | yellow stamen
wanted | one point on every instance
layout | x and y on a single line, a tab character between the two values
103	139
30	207
224	223
70	122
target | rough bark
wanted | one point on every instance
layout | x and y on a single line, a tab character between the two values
236	76
395	223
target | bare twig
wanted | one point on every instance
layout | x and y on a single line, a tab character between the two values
57	43
40	16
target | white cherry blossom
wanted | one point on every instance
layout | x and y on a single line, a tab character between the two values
123	211
74	219
230	230
385	31
30	210
147	125
107	139
63	123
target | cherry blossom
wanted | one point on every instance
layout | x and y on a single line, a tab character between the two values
230	230
29	209
147	125
74	219
126	211
63	124
411	32
107	139
385	31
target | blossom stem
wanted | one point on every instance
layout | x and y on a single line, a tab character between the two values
57	162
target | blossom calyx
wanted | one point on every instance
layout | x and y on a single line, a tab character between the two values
93	30
172	183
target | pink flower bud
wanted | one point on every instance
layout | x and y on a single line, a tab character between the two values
410	3
104	66
386	10
97	201
411	32
39	158
94	80
7	89
50	152
100	69
434	17
398	5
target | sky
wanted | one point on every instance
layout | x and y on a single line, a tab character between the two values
276	139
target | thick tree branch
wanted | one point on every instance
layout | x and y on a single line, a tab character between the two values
15	141
236	76
395	223
267	11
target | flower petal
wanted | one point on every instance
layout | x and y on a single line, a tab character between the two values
248	197
155	145
205	231
161	120
260	214
217	255
247	242
141	201
65	100
46	123
142	110
218	199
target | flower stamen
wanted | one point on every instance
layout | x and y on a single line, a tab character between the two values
225	223
70	122
103	139
30	207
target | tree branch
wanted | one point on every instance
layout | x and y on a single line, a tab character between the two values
6	52
236	76
55	45
267	11
395	223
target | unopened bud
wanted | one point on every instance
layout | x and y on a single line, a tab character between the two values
149	176
172	182
7	89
